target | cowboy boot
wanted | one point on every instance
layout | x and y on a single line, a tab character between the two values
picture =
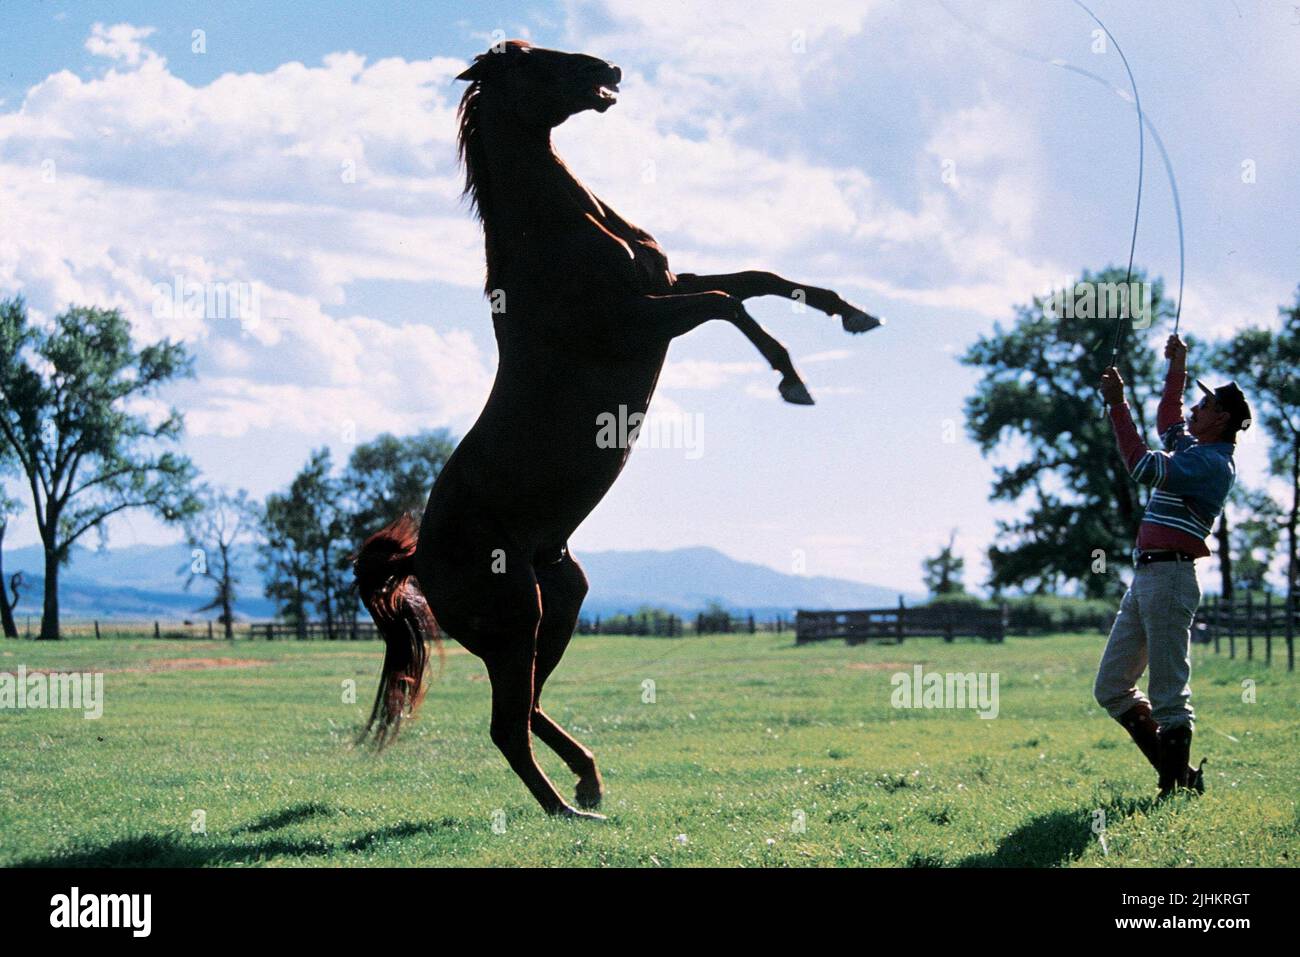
1142	728
1175	771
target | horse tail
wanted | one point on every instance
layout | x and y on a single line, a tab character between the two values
384	567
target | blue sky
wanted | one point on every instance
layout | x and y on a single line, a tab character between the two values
307	150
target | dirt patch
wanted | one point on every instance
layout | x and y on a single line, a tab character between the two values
158	665
199	664
867	666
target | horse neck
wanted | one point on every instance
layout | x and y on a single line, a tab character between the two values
518	161
523	180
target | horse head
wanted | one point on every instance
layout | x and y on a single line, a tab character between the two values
544	87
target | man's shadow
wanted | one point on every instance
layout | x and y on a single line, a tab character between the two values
1051	840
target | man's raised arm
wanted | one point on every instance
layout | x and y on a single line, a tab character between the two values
1170	412
1144	466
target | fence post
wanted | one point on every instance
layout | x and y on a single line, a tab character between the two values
1214	623
1250	626
1290	627
901	612
1232	628
157	632
270	631
209	629
97	629
1268	627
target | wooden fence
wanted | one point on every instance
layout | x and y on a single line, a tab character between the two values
896	624
655	624
363	629
1251	622
675	626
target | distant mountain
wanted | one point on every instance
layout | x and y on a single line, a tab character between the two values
144	582
684	580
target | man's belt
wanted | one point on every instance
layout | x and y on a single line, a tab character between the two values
1150	558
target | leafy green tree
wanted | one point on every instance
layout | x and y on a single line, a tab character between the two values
1264	362
286	558
390	475
217	534
1257	526
1038	403
306	546
943	572
714	619
67	395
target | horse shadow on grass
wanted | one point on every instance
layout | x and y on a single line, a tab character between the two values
171	850
1056	838
290	815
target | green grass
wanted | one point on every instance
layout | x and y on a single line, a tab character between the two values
747	735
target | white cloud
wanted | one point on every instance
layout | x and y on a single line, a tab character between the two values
297	183
705	373
122	42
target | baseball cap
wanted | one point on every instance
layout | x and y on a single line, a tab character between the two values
1231	400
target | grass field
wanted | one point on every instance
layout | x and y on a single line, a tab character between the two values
754	752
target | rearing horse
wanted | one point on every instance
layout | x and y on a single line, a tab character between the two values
590	307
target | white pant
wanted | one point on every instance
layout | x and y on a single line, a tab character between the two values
1154	626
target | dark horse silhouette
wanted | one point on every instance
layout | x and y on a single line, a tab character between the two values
590	307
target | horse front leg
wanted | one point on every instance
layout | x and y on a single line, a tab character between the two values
659	317
791	386
753	282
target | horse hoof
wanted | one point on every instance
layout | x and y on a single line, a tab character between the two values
572	814
857	321
795	392
588	793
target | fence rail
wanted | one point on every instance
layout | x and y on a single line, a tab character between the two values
360	630
896	624
1247	620
675	626
363	629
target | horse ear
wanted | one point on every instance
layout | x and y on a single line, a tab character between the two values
475	71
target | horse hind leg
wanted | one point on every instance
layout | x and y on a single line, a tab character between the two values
512	676
494	611
563	587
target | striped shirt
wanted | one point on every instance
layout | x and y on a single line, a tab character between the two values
1189	480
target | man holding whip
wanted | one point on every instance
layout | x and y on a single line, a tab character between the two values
1190	481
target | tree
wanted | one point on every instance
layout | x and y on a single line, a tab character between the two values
67	395
943	572
1257	525
1039	395
389	475
1264	363
1223	540
714	619
306	548
225	522
1041	390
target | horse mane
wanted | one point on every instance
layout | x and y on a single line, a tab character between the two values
473	156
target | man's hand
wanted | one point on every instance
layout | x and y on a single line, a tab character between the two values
1112	387
1176	349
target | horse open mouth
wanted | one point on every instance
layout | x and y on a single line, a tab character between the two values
605	95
